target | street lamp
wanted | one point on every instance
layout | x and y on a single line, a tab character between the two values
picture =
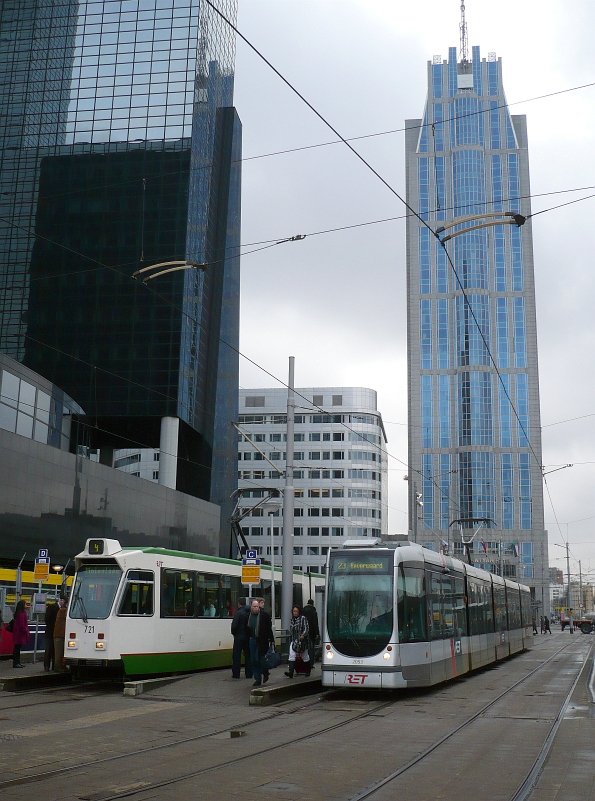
57	570
271	507
567	579
416	501
487	220
164	267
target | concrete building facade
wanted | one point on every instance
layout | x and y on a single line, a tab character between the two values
340	469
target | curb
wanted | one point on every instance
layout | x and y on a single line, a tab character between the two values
17	683
133	688
263	696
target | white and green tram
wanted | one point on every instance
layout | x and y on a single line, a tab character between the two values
151	611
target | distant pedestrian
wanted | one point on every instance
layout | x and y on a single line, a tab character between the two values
298	642
261	637
534	626
541	624
20	633
546	625
59	635
241	641
311	616
49	660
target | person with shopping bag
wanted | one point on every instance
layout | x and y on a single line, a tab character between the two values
298	642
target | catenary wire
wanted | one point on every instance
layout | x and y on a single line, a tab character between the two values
412	211
416	214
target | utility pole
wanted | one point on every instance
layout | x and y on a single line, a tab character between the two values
288	503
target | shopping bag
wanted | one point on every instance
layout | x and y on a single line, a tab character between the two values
272	659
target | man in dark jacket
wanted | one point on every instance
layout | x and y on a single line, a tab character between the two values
241	641
311	615
51	611
261	637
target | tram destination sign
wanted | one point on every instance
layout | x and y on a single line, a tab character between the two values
362	563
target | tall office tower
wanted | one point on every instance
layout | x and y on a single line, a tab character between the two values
340	470
120	148
474	421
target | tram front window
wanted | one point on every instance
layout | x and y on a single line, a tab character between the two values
360	602
94	591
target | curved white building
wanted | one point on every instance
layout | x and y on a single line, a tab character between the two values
340	468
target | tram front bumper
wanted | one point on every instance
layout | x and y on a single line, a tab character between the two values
362	677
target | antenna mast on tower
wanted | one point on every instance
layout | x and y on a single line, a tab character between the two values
463	29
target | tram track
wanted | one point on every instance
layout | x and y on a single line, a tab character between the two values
366	793
525	788
50	774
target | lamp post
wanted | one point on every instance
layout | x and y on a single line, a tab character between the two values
415	501
57	570
566	546
271	507
164	267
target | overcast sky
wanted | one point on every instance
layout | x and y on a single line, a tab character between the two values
336	301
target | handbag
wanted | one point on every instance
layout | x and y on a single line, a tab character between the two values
300	646
272	659
10	625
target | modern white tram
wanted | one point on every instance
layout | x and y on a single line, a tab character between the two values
404	616
151	611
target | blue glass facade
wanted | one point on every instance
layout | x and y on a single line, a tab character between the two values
120	148
474	428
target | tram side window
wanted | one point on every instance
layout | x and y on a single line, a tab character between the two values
208	586
513	603
500	607
480	607
441	605
526	610
137	598
177	593
298	595
411	605
228	593
459	607
267	595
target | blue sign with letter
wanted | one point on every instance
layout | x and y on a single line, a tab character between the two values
251	554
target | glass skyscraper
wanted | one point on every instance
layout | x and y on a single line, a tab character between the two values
120	148
474	419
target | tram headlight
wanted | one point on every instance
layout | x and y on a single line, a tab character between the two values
329	652
387	654
71	644
99	645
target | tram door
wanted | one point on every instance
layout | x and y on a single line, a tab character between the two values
446	616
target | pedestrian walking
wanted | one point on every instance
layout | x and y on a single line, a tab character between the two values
546	625
298	642
49	661
20	633
241	641
260	628
311	616
59	635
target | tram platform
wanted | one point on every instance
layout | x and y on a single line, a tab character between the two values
279	688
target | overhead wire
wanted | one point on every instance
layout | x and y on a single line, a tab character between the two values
407	205
380	177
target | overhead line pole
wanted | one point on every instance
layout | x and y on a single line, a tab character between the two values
288	502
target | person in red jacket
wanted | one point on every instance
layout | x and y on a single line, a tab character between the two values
20	633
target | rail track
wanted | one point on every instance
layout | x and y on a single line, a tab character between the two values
375	790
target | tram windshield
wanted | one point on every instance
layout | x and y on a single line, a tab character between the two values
94	590
360	602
